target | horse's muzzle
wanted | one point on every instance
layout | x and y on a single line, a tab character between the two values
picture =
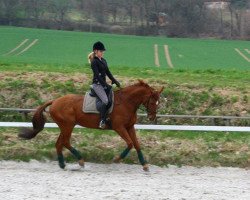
151	117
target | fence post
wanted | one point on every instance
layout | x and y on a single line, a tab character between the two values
227	122
212	121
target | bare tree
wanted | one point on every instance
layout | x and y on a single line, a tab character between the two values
10	10
129	7
113	6
1	9
146	5
100	10
35	9
60	8
237	7
186	16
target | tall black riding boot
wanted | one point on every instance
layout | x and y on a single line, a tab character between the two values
103	114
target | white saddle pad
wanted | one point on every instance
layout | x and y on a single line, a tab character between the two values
89	104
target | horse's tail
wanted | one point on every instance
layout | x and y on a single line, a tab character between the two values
38	122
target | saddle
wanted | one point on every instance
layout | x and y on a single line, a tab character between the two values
91	102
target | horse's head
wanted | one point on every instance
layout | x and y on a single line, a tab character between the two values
151	102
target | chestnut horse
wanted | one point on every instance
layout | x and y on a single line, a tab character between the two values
67	112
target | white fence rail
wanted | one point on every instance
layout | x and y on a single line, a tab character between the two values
227	120
148	127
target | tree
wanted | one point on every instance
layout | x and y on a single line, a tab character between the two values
35	9
186	16
129	7
146	5
1	9
60	9
236	7
10	10
113	6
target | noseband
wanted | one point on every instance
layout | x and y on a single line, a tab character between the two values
147	106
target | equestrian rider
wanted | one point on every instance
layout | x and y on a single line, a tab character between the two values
99	85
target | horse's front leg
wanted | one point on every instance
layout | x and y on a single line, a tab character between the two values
124	135
136	144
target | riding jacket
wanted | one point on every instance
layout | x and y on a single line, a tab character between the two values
100	70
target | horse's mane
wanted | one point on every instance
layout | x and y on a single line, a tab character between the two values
138	84
141	83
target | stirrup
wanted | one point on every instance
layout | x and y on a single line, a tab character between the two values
102	124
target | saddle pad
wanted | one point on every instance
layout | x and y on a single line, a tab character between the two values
89	104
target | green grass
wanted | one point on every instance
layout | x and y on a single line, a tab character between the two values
191	78
160	147
71	48
186	91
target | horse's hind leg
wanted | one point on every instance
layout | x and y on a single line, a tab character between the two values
66	142
74	152
59	148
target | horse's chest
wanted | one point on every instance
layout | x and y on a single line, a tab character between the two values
133	120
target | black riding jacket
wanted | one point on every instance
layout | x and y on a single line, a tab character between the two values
100	70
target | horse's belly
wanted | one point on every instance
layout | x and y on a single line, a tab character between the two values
89	120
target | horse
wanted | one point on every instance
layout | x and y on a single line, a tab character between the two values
66	112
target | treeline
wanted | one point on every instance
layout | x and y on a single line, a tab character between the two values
172	18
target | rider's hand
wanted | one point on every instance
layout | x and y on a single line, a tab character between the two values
118	84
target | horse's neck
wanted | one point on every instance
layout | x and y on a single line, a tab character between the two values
136	96
139	94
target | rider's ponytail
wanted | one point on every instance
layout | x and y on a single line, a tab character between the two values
91	56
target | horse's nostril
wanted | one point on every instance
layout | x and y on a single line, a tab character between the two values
151	117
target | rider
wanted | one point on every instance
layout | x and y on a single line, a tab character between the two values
99	85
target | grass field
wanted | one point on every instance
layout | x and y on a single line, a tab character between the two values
160	147
71	48
196	93
209	77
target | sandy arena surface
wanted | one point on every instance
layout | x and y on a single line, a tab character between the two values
36	180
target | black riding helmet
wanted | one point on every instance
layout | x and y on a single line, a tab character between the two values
99	46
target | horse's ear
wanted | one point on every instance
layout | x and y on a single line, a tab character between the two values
162	88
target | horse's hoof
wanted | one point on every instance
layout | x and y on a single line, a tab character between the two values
117	159
146	167
81	163
62	165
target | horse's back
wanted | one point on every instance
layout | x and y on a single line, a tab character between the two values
68	99
65	106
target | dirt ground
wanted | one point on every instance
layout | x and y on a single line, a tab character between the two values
37	180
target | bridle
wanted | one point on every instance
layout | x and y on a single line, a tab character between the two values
147	105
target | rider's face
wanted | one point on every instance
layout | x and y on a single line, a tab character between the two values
99	53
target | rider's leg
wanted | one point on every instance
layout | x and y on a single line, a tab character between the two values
103	115
99	90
